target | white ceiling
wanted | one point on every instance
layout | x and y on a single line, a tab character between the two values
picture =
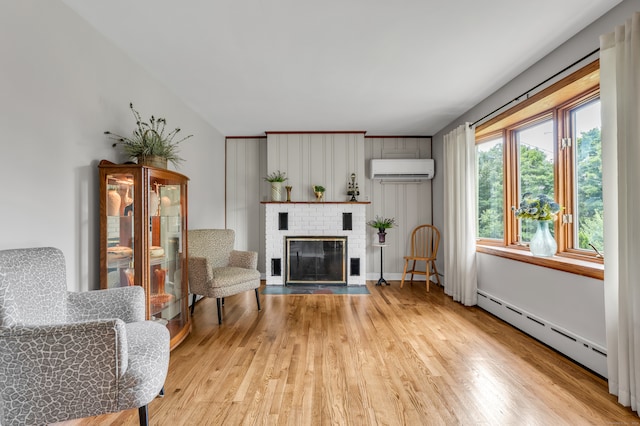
388	67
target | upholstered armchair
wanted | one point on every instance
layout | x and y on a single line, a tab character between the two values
66	355
217	270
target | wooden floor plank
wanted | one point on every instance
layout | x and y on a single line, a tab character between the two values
394	357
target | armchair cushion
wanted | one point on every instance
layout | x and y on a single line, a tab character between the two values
231	275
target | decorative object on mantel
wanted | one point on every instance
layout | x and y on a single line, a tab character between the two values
382	224
352	188
319	191
542	210
149	143
288	188
276	179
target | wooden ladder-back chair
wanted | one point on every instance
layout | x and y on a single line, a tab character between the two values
424	248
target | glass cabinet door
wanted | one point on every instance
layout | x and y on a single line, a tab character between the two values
166	251
120	230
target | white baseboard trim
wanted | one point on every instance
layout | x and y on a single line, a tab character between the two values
577	348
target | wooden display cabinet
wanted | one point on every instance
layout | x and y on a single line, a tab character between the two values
143	239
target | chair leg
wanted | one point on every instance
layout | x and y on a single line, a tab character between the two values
219	303
193	303
406	263
413	268
435	270
161	393
258	299
143	413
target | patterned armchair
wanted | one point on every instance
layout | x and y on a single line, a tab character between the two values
217	270
67	355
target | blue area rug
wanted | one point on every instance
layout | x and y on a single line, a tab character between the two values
315	289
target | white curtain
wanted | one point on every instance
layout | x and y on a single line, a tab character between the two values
460	274
620	92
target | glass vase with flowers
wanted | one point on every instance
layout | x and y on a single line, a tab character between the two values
543	210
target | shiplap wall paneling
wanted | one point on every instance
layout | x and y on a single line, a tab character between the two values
408	203
243	192
326	159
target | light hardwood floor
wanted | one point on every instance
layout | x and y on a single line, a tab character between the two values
394	357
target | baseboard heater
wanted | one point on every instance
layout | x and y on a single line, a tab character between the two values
582	351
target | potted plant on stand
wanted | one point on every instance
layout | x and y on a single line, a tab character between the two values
149	143
382	224
276	179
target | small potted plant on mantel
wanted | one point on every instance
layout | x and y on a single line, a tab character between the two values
149	143
276	179
319	191
382	224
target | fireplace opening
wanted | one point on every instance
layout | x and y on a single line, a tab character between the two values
316	260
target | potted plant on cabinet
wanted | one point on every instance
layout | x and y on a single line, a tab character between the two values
149	143
276	179
382	224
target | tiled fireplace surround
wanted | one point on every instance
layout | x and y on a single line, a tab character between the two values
317	219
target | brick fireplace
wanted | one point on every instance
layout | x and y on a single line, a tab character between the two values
323	223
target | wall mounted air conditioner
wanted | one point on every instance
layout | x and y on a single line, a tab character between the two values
400	169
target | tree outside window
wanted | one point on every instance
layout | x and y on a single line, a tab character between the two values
490	189
588	216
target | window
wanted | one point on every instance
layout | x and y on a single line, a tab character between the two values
548	144
535	168
489	189
588	208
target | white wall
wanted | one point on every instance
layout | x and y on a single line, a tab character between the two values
244	180
570	301
61	86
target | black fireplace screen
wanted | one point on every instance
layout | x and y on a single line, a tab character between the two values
320	260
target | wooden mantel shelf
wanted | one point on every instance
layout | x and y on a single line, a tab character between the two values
315	202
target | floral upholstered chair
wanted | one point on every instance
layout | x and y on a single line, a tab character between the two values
217	270
66	355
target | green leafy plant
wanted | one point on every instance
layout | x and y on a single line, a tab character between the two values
539	207
276	176
382	223
149	139
318	188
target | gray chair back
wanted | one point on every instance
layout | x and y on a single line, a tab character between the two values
213	244
33	287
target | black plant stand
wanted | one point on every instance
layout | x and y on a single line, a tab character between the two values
381	280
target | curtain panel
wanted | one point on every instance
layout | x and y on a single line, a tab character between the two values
460	271
620	94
